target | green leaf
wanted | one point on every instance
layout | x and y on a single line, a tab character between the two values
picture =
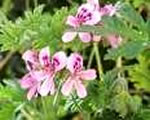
73	103
137	3
128	50
119	103
100	92
144	114
10	94
10	98
139	74
135	103
125	104
7	111
34	30
130	15
113	25
147	28
120	84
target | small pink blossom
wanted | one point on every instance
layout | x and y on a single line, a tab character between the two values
114	40
109	9
97	38
87	14
77	75
42	71
30	83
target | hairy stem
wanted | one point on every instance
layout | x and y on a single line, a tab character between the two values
56	96
27	4
35	3
59	87
119	65
91	58
6	59
98	60
25	114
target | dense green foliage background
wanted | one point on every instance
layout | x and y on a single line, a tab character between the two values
124	93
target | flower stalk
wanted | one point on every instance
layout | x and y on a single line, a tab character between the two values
57	94
98	60
91	58
119	65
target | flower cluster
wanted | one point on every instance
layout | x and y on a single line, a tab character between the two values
42	70
87	14
91	13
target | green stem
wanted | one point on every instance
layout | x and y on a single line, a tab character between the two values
91	58
119	65
98	60
119	62
35	3
59	87
27	3
44	106
28	116
56	96
6	6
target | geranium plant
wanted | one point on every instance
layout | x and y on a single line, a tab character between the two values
90	61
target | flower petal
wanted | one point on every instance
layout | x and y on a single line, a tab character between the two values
31	59
88	7
114	40
88	14
93	2
52	91
39	75
81	90
75	62
72	21
109	10
31	92
88	74
95	18
59	60
85	37
47	86
27	81
67	87
44	57
97	38
69	36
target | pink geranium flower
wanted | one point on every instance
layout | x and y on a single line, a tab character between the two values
32	84
77	75
42	71
114	40
87	14
108	10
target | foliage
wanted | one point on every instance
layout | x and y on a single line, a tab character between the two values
139	74
11	100
34	30
130	26
138	3
129	50
109	97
